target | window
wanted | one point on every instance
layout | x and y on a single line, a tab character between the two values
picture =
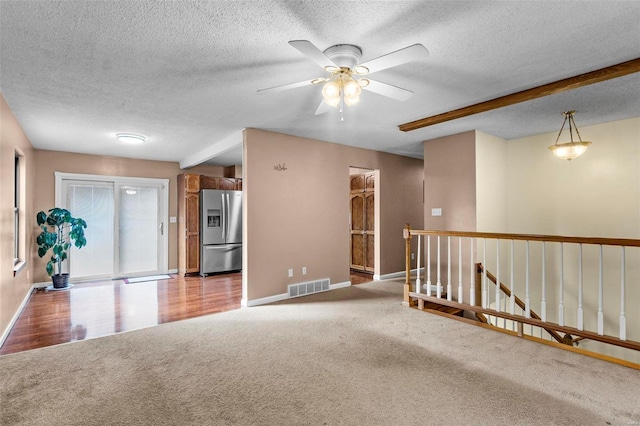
18	209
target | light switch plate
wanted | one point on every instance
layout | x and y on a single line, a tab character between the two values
290	273
436	212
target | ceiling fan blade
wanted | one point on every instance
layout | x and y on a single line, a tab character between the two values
312	52
286	87
322	108
388	90
411	53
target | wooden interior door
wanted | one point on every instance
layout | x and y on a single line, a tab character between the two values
369	231
362	222
357	232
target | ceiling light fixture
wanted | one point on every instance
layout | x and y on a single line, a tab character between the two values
130	138
341	89
569	150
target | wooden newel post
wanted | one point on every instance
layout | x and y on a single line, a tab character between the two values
406	232
478	284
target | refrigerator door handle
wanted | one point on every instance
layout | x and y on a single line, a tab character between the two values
224	219
228	214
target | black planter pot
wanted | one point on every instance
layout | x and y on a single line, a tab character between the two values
60	280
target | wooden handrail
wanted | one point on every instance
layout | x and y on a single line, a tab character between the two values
506	290
533	237
629	344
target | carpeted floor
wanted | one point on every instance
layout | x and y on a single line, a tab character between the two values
352	356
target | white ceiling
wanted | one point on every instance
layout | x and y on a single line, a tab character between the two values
186	74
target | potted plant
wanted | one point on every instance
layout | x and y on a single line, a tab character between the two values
59	231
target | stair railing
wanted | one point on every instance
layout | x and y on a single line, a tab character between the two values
520	304
568	273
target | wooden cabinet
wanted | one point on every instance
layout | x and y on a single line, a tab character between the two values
188	224
189	186
208	182
362	222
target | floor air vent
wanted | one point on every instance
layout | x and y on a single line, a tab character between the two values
302	289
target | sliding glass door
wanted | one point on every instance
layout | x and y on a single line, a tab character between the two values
126	220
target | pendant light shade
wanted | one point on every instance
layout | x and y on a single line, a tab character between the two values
569	150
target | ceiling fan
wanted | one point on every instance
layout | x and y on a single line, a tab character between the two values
344	83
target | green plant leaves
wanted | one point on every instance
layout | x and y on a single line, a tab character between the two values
66	230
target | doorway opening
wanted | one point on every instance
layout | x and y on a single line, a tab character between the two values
363	219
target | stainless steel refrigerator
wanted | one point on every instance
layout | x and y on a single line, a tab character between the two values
220	231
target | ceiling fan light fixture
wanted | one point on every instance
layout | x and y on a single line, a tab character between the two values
351	89
360	70
330	90
131	138
570	150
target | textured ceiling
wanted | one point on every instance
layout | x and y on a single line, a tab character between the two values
186	74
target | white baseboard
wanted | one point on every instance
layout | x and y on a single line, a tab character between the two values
340	285
284	296
172	271
7	330
263	301
395	275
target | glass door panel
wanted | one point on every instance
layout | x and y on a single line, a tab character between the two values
139	229
93	202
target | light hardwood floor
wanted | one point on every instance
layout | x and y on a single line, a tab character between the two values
102	308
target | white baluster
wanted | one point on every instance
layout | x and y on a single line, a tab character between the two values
418	282
512	298
460	294
472	280
561	305
428	265
600	295
438	283
449	268
497	276
623	321
543	304
580	309
527	298
484	273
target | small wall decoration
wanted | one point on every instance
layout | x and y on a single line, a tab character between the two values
280	167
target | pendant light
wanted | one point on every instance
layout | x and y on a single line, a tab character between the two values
569	150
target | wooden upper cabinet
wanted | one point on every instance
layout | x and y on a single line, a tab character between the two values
226	183
357	183
191	182
369	182
208	182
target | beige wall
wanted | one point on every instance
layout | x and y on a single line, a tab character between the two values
595	195
491	183
450	182
49	162
300	217
14	289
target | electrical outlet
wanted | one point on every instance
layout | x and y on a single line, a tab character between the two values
290	273
413	256
304	270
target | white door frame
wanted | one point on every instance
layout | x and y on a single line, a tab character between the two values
163	194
